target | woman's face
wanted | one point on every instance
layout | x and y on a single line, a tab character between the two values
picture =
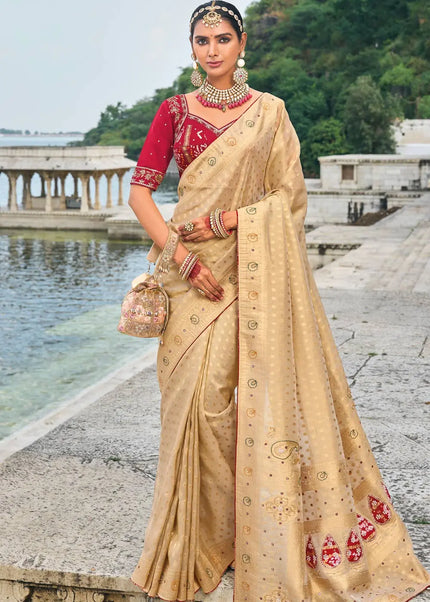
217	48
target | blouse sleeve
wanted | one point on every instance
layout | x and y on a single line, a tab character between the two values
157	150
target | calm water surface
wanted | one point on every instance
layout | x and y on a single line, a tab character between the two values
59	308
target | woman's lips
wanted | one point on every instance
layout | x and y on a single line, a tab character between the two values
214	64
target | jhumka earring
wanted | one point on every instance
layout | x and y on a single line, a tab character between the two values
240	74
196	76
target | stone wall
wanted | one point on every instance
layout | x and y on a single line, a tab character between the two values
375	172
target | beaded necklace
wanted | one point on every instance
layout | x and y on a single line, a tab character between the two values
210	96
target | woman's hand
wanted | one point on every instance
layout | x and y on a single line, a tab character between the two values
200	232
204	281
202	228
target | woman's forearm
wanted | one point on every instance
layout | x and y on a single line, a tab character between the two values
151	220
230	220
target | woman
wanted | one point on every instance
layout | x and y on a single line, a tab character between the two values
283	481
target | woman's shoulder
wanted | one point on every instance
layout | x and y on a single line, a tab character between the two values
175	106
276	100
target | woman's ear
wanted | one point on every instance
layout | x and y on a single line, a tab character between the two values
243	40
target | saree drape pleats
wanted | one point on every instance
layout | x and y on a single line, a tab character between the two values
284	481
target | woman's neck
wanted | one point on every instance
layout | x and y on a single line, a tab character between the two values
221	83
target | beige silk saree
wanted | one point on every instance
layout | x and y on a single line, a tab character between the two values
283	480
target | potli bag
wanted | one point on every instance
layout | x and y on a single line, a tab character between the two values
145	308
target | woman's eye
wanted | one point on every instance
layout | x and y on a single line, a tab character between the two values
201	42
224	40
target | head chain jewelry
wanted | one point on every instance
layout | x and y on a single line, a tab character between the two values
213	19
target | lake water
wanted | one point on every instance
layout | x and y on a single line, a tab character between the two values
60	298
59	308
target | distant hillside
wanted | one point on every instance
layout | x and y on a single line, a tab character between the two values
346	71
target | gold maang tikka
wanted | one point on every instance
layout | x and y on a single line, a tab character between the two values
212	18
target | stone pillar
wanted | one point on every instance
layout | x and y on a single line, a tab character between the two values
26	191
13	205
76	192
120	177
63	192
84	197
97	191
109	191
56	187
90	204
47	179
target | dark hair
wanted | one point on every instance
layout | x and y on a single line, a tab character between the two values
224	14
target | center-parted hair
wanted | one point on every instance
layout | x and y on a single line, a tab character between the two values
227	11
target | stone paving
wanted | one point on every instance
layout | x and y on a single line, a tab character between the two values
74	503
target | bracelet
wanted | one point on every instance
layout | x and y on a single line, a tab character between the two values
187	265
168	251
221	219
195	271
217	224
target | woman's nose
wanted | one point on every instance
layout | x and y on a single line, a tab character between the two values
213	49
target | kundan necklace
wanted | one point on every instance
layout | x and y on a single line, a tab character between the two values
210	96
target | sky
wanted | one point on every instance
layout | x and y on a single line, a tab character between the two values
62	63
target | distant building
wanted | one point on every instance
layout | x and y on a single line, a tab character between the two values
375	172
53	164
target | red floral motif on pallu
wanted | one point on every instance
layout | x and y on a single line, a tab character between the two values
386	491
330	554
354	550
367	530
380	510
311	555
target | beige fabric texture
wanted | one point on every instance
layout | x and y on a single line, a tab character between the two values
283	481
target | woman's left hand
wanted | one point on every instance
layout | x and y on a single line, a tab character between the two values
201	230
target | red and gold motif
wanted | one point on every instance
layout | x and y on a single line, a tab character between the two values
311	555
367	530
380	510
330	554
354	551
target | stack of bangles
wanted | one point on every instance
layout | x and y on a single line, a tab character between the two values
189	267
217	224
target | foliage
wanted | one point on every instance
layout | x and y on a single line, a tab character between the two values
367	118
345	70
327	137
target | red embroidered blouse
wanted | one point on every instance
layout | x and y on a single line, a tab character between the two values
173	132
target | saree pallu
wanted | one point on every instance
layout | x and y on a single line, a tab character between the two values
283	481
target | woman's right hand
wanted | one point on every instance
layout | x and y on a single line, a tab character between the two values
203	280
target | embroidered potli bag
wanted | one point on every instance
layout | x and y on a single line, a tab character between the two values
145	308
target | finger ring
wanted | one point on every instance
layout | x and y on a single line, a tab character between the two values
189	226
199	290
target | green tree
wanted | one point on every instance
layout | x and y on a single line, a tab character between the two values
424	107
327	137
367	118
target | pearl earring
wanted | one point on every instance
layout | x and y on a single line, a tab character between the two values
240	74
